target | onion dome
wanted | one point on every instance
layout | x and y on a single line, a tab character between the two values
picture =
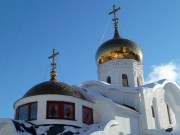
117	47
50	87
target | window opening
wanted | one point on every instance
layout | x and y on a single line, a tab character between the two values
87	115
53	110
109	79
153	114
33	114
169	115
60	110
68	111
138	82
125	80
23	112
27	111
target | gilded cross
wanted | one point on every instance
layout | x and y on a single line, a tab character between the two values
115	19
53	64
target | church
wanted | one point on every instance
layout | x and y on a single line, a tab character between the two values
118	103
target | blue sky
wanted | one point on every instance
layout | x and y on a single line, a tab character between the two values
30	29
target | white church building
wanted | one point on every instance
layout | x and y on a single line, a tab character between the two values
118	103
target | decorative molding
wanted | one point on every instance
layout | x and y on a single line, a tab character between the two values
123	64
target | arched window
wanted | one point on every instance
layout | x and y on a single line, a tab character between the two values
125	80
138	82
108	80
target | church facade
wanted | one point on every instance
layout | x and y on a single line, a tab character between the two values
118	103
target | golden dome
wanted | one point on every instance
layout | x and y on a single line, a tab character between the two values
118	48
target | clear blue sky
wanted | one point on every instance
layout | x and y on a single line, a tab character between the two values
30	29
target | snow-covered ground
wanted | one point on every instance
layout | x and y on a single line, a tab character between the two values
25	128
14	127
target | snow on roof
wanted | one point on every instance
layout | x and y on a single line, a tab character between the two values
92	92
159	84
126	107
107	86
87	93
152	85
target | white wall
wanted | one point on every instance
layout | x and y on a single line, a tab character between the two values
155	98
128	121
103	111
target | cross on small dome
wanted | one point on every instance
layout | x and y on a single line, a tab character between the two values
53	64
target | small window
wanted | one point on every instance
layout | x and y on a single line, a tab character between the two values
68	111
153	114
23	112
27	111
125	80
109	79
53	110
138	82
33	115
87	115
17	114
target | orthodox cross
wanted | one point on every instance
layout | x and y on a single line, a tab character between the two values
115	19
53	64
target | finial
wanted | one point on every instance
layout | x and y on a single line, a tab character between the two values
53	64
115	19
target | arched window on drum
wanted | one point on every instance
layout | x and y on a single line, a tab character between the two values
138	82
108	80
125	80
